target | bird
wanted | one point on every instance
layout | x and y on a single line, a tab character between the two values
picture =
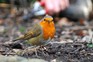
41	33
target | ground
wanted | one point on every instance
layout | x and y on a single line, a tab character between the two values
70	44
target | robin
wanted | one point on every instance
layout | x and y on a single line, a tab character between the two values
41	33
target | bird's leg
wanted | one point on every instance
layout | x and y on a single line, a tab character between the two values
45	44
35	48
36	51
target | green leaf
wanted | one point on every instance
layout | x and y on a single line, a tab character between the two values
90	45
22	29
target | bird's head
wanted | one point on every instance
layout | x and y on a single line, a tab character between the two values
48	19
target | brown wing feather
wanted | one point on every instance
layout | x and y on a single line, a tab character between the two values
35	31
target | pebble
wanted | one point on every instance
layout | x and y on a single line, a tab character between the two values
19	59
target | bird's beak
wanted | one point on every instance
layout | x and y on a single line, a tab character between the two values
49	21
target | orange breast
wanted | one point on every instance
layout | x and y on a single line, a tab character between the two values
48	29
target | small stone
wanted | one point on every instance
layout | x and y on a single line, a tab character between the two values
16	50
36	60
3	58
54	60
69	41
12	59
2	29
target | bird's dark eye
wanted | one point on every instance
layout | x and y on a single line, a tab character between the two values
44	19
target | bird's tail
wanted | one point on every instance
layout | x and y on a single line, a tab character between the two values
19	38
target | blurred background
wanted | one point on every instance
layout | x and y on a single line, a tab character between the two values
73	21
17	16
